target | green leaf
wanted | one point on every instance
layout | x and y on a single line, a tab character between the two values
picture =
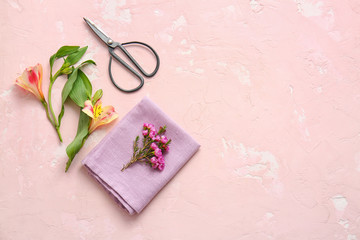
65	50
69	86
86	82
66	91
79	92
75	57
52	60
86	62
82	133
98	94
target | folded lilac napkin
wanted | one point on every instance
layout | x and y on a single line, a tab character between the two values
136	186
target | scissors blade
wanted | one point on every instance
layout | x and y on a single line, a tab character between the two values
100	33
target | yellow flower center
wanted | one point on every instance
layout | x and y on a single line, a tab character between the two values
97	111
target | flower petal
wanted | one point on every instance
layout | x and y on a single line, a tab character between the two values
88	109
95	123
98	102
23	81
39	71
30	80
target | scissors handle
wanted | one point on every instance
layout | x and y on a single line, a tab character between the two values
121	46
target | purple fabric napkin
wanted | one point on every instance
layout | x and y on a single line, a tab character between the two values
136	186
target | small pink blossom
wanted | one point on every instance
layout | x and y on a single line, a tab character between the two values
152	128
152	134
153	146
158	152
161	159
161	166
153	160
155	165
164	139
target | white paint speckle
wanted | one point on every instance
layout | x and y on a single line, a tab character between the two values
322	69
15	4
257	167
336	36
191	62
257	178
260	163
4	132
183	42
185	52
242	74
158	13
223	140
6	93
256	6
111	6
340	202
165	37
60	26
344	223
357	161
291	88
199	70
60	153
222	64
125	16
301	115
179	23
231	8
309	9
269	215
351	237
113	10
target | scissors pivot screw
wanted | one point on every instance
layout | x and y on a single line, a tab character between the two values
110	41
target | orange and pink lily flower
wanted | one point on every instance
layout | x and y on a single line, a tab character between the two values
99	115
31	80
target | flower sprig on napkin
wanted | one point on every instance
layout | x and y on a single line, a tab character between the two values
78	88
155	143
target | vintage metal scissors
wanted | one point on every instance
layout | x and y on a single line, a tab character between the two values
112	45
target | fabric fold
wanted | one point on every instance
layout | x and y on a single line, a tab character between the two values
135	187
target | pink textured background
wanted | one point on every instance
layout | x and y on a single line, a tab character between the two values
270	89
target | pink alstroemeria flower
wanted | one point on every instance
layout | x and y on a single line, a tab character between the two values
31	80
99	115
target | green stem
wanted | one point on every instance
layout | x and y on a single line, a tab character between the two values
55	123
59	134
143	153
47	112
147	144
